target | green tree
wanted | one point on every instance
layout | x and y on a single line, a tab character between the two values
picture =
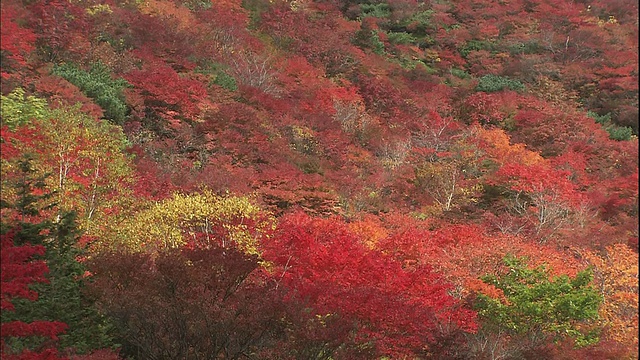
62	297
493	83
98	84
31	197
536	308
92	171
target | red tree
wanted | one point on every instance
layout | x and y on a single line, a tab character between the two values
17	42
362	304
18	270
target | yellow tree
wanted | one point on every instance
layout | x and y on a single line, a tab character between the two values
84	157
616	276
203	218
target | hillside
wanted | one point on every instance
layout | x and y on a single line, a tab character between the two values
333	179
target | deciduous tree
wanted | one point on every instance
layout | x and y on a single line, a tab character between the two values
364	297
616	280
527	308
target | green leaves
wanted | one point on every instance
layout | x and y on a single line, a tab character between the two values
19	110
98	84
61	297
536	305
380	10
493	83
219	75
618	133
475	45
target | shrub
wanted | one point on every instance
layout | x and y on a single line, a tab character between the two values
98	84
493	83
219	74
401	38
475	45
461	74
529	47
375	10
618	133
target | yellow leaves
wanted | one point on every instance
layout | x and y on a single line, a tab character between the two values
616	275
471	191
98	9
431	56
303	140
351	115
18	109
298	5
230	221
445	182
394	154
87	155
553	91
89	171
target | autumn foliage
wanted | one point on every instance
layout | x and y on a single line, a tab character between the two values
19	269
397	311
321	179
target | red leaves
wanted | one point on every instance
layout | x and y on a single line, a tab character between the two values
17	42
102	354
60	26
379	94
167	93
48	354
491	108
49	329
18	271
8	147
538	178
322	262
59	91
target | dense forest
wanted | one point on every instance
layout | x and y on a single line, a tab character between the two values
319	179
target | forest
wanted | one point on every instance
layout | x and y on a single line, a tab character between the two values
319	179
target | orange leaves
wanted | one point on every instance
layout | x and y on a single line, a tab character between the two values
168	10
369	229
616	272
479	286
499	148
